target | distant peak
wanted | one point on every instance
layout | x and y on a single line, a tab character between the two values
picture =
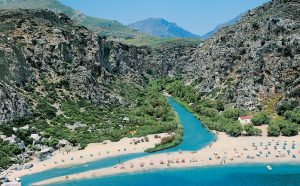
162	28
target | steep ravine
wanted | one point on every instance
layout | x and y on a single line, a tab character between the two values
253	64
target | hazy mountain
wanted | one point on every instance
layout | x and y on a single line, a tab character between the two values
228	23
114	30
162	28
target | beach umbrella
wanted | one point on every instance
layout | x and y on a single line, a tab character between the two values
122	166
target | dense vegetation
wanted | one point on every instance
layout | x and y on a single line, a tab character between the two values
287	125
6	152
214	116
211	112
81	122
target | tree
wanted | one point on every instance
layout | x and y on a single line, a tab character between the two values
234	113
285	106
273	129
249	128
73	139
289	129
257	132
45	110
234	129
293	116
260	119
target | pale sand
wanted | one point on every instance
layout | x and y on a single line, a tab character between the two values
228	149
91	153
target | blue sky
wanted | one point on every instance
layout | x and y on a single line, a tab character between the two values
197	16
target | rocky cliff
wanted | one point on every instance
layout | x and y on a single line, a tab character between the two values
255	60
39	49
245	64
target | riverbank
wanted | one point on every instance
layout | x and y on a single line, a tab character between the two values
226	150
92	152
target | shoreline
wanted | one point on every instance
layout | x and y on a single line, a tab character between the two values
93	152
57	180
240	151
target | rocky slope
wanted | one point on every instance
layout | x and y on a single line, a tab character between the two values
245	64
253	64
39	48
255	60
61	81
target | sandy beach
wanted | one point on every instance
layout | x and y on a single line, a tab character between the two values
92	152
225	150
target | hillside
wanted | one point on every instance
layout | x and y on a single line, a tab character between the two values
254	63
60	81
56	75
162	28
111	29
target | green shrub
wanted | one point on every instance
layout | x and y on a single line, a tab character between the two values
234	129
234	113
289	128
274	128
45	110
251	131
260	119
293	116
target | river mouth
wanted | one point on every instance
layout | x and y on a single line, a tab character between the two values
195	137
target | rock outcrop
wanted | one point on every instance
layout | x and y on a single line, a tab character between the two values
254	60
12	105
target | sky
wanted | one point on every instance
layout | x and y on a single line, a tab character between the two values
196	16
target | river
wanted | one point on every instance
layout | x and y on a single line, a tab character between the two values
195	137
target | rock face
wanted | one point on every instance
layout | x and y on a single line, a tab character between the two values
254	60
142	63
12	104
244	64
38	46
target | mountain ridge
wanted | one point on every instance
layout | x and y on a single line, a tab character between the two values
222	25
162	28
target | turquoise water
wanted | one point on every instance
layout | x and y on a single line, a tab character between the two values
195	137
198	137
245	175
